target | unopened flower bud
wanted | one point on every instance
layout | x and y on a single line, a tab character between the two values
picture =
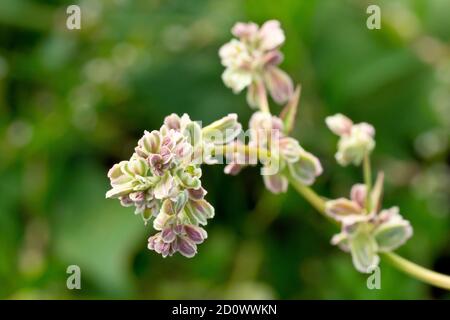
271	35
196	234
279	84
358	194
148	144
223	131
339	124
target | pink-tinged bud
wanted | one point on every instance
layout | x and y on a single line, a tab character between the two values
232	169
272	58
290	149
366	128
126	201
186	247
172	122
276	183
184	151
265	121
339	124
341	240
271	35
245	31
196	194
279	84
158	245
196	234
168	235
198	212
148	144
277	124
358	194
157	164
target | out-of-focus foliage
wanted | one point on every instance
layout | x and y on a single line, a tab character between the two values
72	103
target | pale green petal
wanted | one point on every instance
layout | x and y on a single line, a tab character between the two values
363	248
393	232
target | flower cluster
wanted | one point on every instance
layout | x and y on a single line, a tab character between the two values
356	140
284	155
367	230
162	181
251	61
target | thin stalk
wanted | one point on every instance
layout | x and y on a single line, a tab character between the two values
260	154
418	272
313	198
367	180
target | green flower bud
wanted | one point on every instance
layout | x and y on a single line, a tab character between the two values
306	169
193	132
149	144
222	131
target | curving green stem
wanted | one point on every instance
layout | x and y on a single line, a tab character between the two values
428	276
252	152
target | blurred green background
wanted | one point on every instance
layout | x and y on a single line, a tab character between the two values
72	103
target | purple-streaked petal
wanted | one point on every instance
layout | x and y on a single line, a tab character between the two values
196	234
186	247
197	194
279	84
168	235
172	122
